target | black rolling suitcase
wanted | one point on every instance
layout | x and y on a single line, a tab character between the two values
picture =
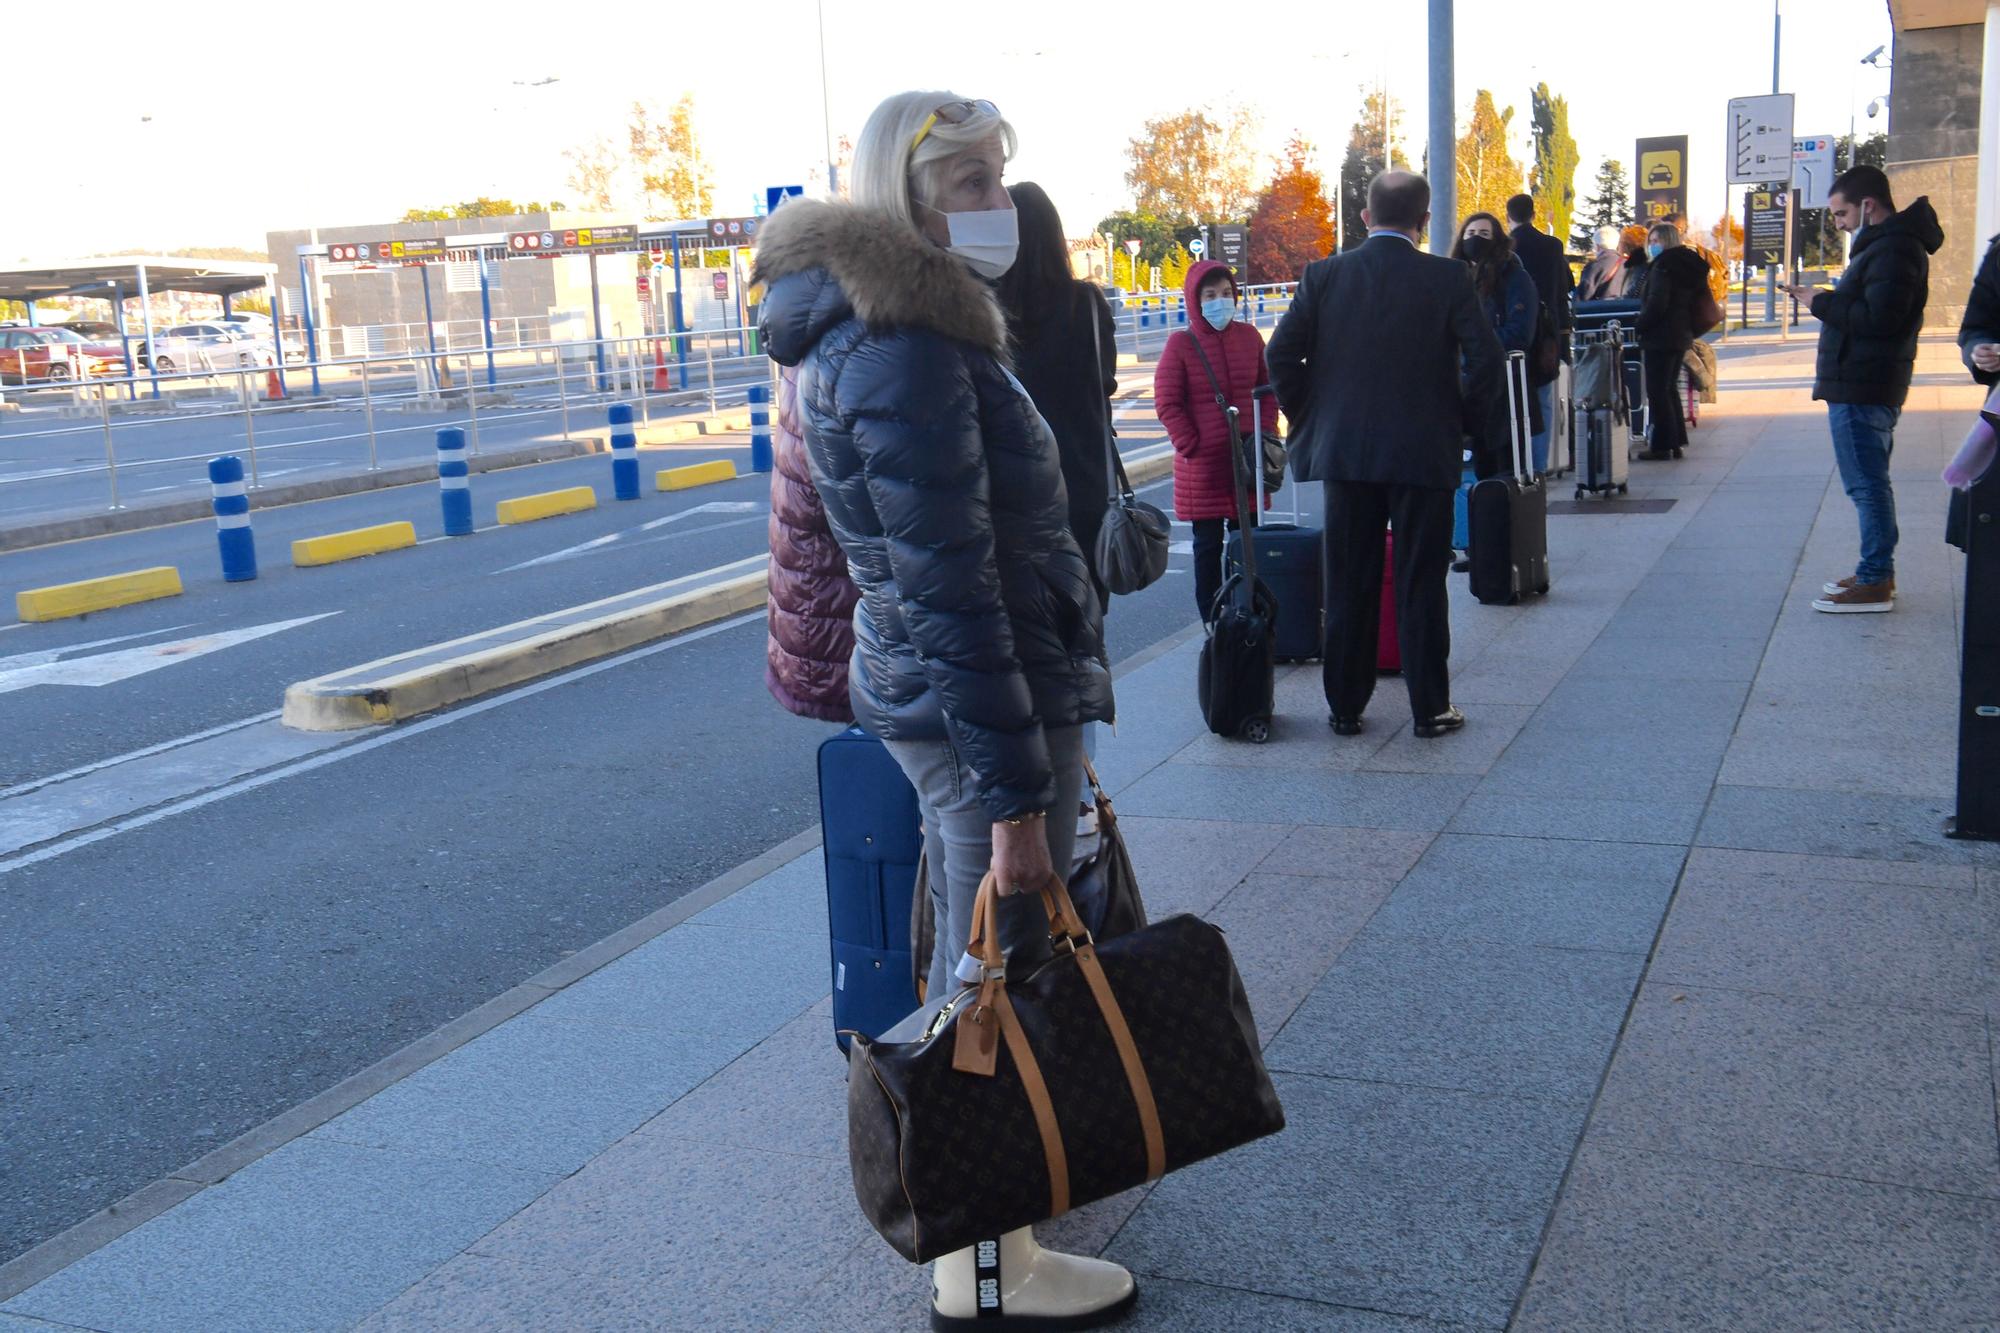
870	834
1291	561
1238	658
1510	515
1604	436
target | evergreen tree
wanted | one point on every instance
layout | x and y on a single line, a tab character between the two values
1488	175
1610	206
1552	181
1372	146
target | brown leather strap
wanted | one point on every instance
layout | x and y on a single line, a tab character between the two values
1128	1055
1038	1102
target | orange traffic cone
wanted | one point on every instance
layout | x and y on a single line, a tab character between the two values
660	384
274	388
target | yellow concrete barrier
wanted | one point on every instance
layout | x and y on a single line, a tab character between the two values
63	600
694	474
723	423
1128	358
528	508
668	432
353	544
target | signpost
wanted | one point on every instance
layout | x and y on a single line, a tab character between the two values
1232	244
409	252
1760	139
1764	226
737	231
1197	247
1759	149
777	194
1659	184
721	281
570	239
1812	170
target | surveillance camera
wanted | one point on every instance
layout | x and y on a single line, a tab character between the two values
1875	108
1870	58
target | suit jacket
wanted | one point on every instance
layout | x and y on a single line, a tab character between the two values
1367	364
1547	263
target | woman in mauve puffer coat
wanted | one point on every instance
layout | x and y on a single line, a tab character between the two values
811	607
1204	485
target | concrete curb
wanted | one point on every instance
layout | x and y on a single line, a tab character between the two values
64	600
80	524
411	684
353	544
1149	467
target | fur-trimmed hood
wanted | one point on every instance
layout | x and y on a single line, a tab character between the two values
824	262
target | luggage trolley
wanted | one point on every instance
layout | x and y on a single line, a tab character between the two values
1603	410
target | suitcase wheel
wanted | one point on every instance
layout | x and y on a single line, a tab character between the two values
1257	730
1579	492
1542	591
1622	488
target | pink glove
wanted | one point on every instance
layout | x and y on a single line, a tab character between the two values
1974	456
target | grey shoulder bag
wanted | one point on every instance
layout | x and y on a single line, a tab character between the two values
1132	545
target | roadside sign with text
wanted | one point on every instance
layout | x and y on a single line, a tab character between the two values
1659	181
1759	144
1764	226
618	237
721	281
1232	242
737	231
1812	169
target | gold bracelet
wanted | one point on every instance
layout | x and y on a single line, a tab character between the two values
1028	818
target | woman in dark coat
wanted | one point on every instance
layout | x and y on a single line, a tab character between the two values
979	641
1676	279
1507	294
1065	358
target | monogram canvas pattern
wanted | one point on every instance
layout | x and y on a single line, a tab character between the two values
942	1159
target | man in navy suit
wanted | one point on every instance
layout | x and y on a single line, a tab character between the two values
1379	363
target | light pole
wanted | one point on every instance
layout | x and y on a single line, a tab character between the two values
1444	160
826	117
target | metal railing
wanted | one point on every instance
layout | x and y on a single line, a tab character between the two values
527	394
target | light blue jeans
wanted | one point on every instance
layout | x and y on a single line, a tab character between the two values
1538	443
1864	435
958	835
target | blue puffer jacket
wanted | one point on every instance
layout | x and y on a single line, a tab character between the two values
977	621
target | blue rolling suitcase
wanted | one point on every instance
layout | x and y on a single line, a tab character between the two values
1291	561
870	834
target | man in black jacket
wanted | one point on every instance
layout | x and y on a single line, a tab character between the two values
1547	263
1979	331
1867	348
1367	364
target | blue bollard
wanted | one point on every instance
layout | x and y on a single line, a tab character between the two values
624	454
760	428
232	519
454	482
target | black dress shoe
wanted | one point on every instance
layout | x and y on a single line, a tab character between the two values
1345	726
1656	455
1461	566
1448	721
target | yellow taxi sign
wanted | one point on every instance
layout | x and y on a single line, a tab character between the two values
1660	170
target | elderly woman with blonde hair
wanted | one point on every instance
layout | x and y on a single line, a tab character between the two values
979	644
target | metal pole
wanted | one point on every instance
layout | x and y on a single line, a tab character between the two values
597	322
562	392
472	403
825	117
1444	155
306	313
125	341
277	333
430	324
249	426
1791	258
146	317
485	316
708	356
110	450
368	411
680	314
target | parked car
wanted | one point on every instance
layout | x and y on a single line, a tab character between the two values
209	345
95	330
259	326
41	354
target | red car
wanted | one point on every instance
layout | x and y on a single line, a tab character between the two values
45	355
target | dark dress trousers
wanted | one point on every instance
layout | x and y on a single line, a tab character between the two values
1368	364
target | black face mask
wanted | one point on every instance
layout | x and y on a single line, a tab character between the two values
1476	248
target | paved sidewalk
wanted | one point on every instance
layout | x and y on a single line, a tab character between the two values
1653	1000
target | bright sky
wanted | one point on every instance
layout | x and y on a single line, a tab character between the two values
289	115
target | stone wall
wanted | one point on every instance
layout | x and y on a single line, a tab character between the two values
1934	151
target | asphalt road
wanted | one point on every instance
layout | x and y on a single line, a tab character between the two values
179	978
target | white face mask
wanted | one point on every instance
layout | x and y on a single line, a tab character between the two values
987	240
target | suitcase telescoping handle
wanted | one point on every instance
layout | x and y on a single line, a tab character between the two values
1258	396
1517	414
1243	529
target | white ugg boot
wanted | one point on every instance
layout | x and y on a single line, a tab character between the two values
1026	1287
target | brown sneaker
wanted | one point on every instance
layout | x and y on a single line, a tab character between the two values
1842	585
1861	597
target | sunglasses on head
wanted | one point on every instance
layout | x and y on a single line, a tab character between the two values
953	113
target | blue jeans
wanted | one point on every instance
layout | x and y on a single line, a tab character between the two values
1864	435
1538	443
